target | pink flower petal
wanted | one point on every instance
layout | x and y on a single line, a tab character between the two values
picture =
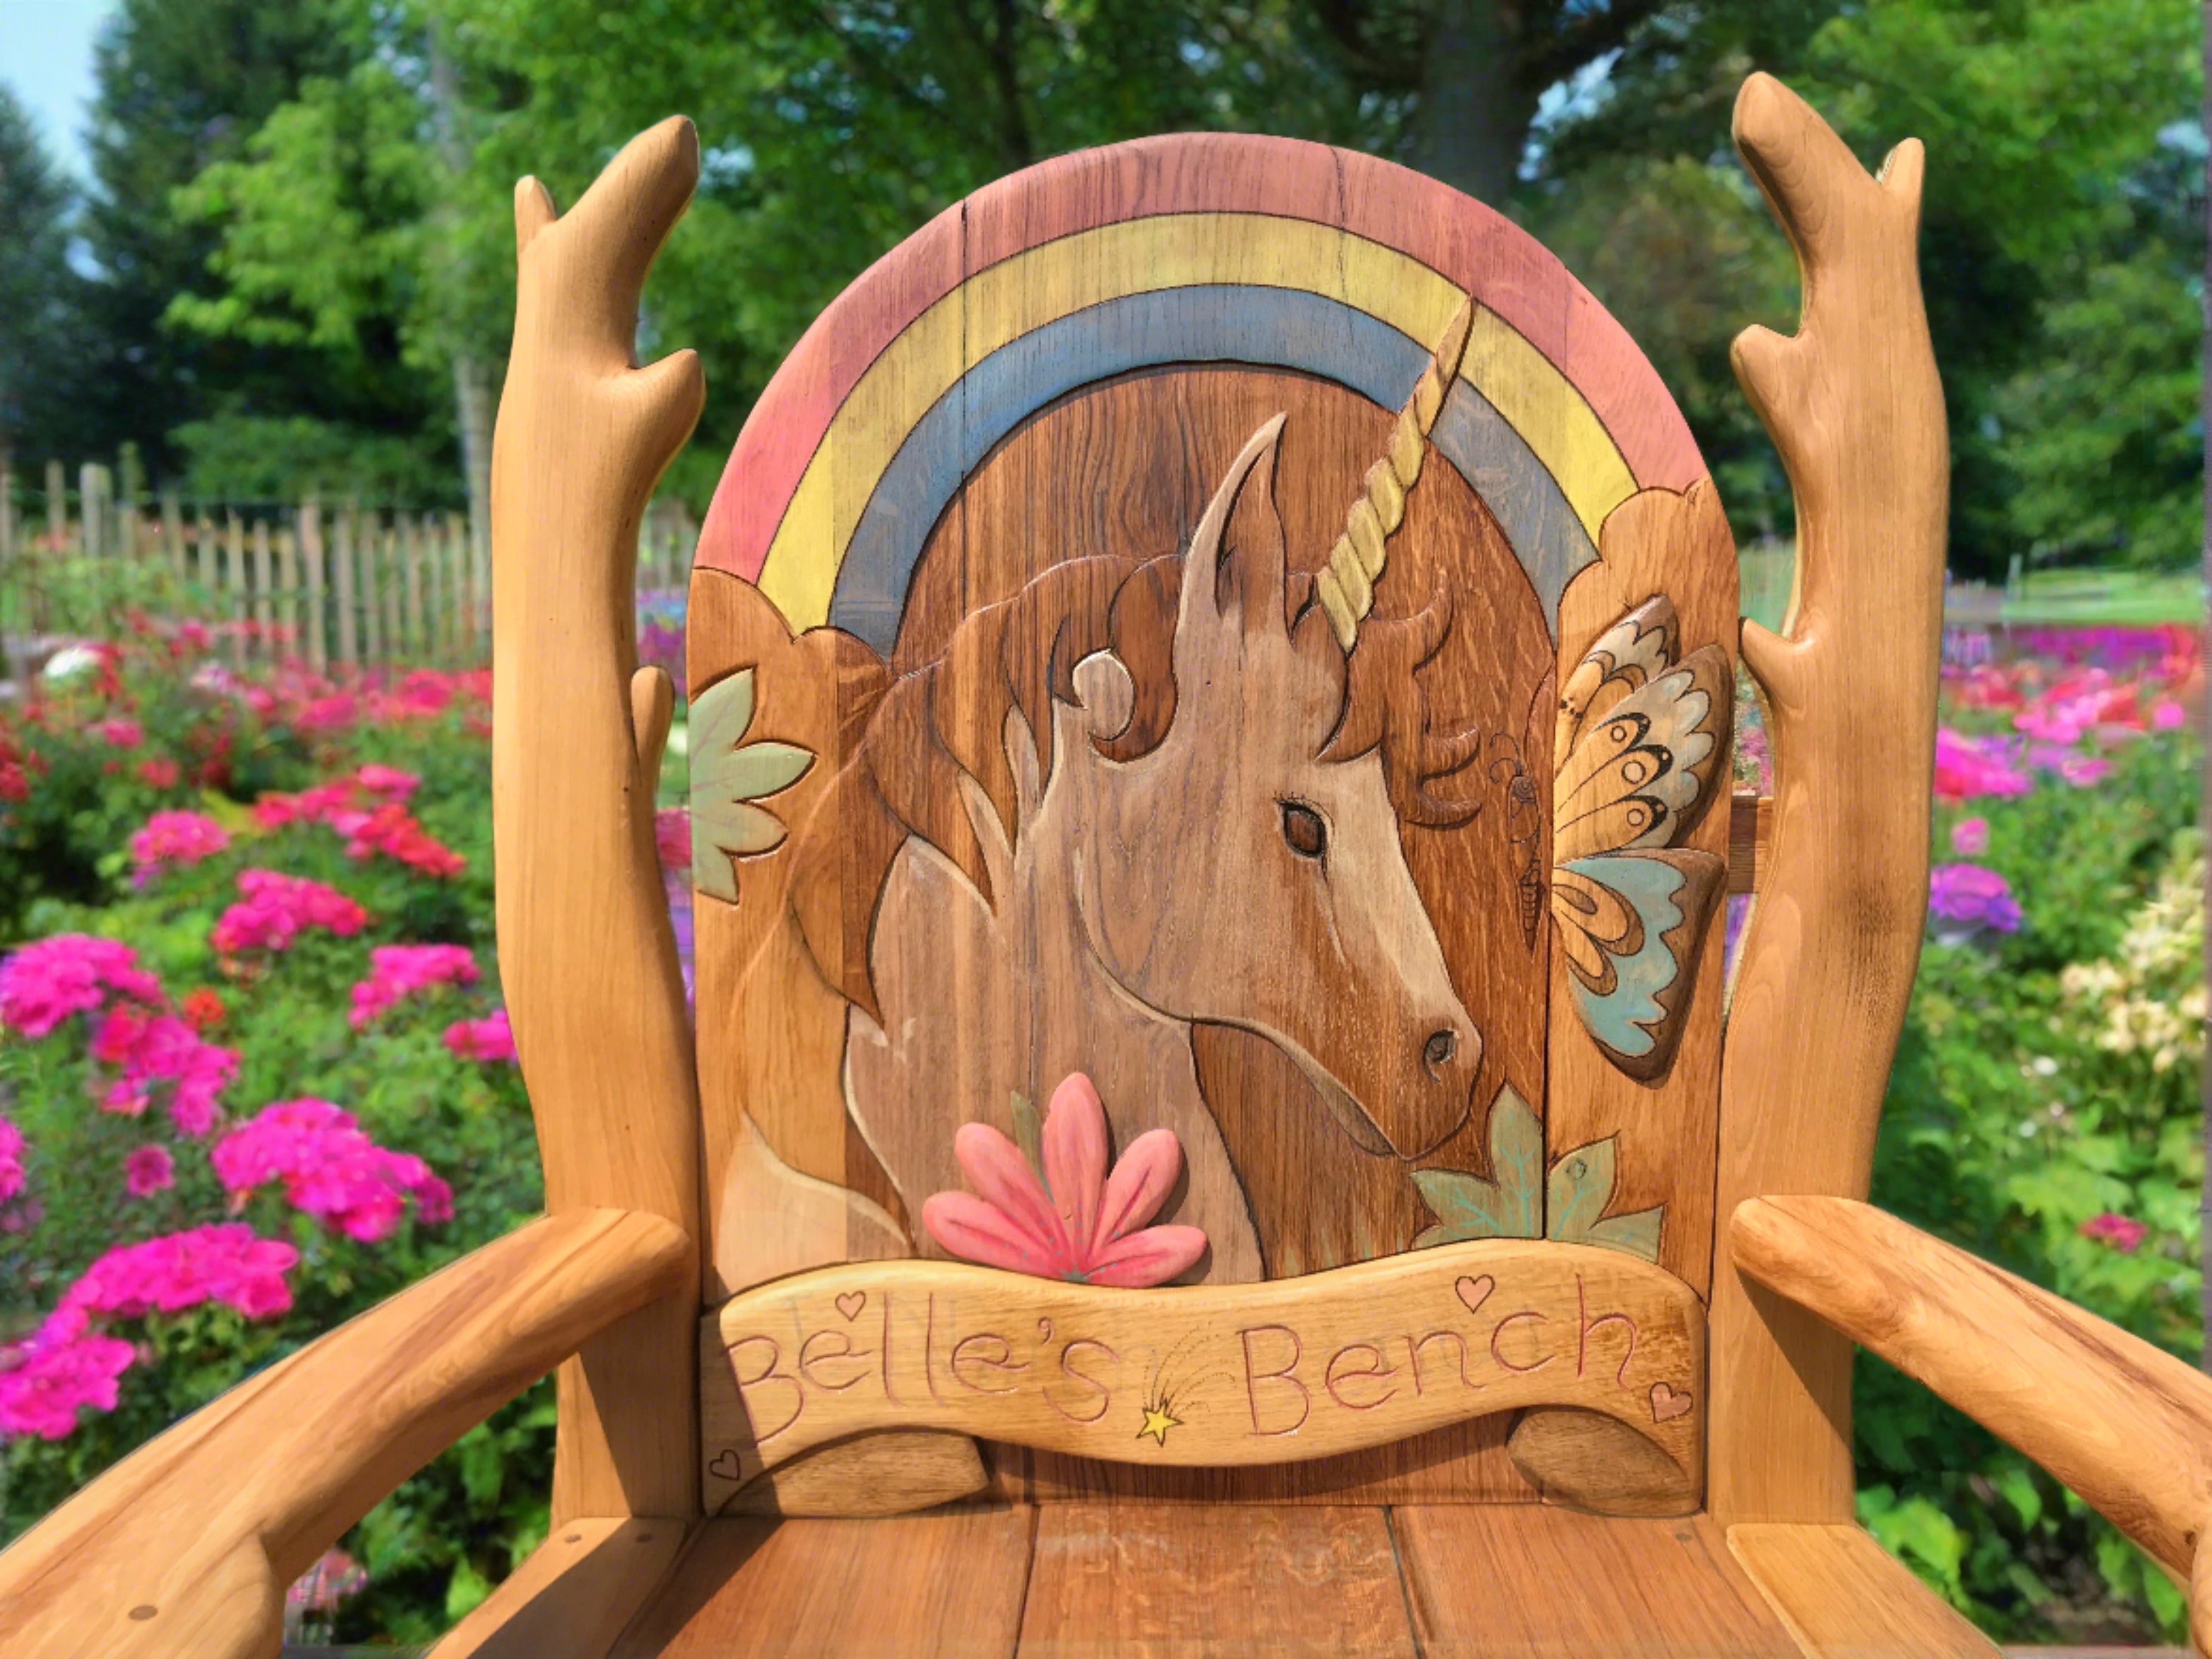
974	1231
1153	1257
1002	1178
1075	1155
1140	1183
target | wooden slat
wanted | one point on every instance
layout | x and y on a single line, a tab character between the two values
1751	840
915	1587
1539	1583
1133	1582
1818	995
1843	1597
573	1596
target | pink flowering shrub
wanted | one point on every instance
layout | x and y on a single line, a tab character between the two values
328	1169
171	838
274	909
49	980
405	970
488	1040
11	1160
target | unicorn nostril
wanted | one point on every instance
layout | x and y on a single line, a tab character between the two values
1436	1053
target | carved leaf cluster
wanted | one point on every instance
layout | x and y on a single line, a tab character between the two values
727	776
1520	1200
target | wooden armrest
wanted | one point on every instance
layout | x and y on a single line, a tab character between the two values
188	1544
2123	1422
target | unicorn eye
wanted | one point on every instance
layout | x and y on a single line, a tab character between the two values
1303	830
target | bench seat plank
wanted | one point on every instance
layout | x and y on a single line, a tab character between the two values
904	1587
1536	1582
1190	1581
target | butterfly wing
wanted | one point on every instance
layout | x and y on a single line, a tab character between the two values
1640	748
1628	923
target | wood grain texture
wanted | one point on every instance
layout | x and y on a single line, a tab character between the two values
187	1545
1206	1375
946	1586
1843	1597
572	1596
891	1471
1663	1128
1129	1581
1541	1583
1589	1461
1856	409
587	955
2125	1424
1751	841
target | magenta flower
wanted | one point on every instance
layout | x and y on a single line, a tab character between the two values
1966	767
44	1381
119	732
1970	897
175	838
2121	1232
1080	1223
488	1040
276	907
2168	716
146	1048
148	1170
44	983
1970	837
11	1160
397	971
329	1169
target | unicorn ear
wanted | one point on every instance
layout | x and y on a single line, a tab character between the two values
1233	573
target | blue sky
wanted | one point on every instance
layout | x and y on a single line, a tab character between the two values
45	59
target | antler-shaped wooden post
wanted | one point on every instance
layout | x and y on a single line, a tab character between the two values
587	955
1854	405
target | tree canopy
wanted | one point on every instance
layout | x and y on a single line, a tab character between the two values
300	235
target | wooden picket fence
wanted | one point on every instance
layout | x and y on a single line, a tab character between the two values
334	585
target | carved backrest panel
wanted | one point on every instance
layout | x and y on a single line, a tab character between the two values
1237	620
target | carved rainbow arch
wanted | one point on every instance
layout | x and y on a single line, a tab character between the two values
1226	249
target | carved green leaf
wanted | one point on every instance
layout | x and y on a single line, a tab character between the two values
1509	1206
1581	1185
727	776
1638	1233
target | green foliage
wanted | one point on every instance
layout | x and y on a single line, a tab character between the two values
436	1546
2010	1122
43	337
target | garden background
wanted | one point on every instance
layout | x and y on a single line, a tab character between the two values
253	1076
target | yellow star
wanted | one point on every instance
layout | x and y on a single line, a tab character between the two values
1157	1423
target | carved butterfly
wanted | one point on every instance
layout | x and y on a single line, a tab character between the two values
1639	746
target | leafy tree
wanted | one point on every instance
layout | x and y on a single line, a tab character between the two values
46	351
181	87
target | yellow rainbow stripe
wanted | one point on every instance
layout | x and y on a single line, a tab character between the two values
1000	304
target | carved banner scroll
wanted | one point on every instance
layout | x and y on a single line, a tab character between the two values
1203	1374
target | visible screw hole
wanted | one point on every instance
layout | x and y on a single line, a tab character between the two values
574	1538
644	1538
142	1613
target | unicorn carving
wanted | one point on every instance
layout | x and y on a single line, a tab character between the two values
1141	795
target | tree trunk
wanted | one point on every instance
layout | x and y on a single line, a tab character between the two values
1473	122
472	387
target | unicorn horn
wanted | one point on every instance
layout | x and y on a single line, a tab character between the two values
1345	585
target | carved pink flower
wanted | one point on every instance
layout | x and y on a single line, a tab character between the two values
1080	1223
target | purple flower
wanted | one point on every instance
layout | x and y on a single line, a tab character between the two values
1970	897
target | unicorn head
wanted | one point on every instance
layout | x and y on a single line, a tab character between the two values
1243	871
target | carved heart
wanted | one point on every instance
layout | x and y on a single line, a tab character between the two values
851	1303
1668	1403
726	1466
1473	1293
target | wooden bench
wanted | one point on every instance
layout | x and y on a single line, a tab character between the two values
1213	1122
